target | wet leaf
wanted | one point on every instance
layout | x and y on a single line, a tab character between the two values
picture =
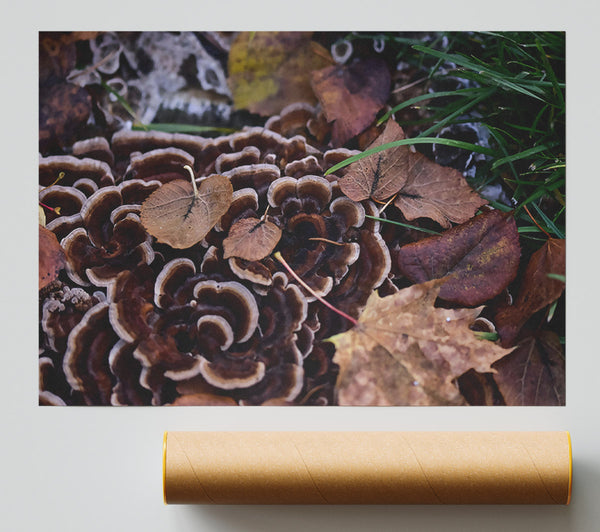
380	175
51	257
478	258
269	70
351	95
251	239
534	373
437	192
405	351
537	290
181	217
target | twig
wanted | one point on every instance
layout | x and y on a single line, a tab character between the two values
311	291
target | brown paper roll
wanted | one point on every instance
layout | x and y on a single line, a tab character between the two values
367	467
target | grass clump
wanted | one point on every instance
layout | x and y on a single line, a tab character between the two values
512	84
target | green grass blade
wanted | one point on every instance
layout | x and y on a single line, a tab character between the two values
408	226
424	97
523	154
408	142
121	100
442	123
549	223
183	128
484	73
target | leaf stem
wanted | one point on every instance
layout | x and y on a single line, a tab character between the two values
279	257
53	209
321	239
60	176
193	178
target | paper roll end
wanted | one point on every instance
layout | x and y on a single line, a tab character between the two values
570	468
164	467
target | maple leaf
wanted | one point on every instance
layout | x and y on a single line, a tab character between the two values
269	70
380	175
479	258
351	95
251	239
180	214
51	257
405	351
437	192
534	373
537	289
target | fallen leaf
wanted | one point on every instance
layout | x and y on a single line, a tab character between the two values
351	95
270	70
480	389
537	289
404	351
51	257
534	373
380	175
251	239
478	258
179	216
437	192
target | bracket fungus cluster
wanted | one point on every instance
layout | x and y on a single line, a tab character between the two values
144	313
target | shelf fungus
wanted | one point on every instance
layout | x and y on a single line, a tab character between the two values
134	319
111	239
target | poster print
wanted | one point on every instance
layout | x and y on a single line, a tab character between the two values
302	218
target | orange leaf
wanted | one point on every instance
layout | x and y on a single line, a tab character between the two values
51	257
405	351
251	239
181	216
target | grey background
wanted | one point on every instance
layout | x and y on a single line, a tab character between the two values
98	469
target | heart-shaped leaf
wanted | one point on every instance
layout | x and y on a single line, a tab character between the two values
251	239
437	192
380	175
180	215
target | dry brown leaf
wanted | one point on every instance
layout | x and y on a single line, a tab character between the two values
380	175
537	289
534	373
351	95
51	257
479	258
251	239
181	216
405	351
437	192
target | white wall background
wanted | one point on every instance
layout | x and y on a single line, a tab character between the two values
98	469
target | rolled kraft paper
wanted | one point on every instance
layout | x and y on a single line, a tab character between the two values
367	467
